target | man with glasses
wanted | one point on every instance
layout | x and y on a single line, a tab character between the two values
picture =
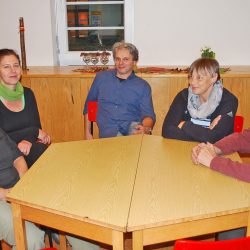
124	99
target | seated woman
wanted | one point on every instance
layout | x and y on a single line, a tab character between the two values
19	116
210	155
12	168
203	112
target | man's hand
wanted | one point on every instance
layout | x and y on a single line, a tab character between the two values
195	152
206	155
140	129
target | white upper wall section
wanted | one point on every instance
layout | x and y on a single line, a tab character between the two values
38	29
166	32
172	32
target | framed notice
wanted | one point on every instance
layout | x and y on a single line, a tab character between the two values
96	18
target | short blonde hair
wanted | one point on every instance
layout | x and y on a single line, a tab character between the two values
205	65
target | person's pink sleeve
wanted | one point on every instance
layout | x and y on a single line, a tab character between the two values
235	169
236	142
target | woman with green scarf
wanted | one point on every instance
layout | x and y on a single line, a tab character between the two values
19	116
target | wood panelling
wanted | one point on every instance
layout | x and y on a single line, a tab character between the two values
60	102
163	92
61	94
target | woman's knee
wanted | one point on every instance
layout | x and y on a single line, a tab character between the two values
6	223
35	236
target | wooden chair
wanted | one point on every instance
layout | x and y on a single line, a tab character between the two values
92	112
238	123
235	244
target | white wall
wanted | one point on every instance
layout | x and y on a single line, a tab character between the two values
167	32
171	32
38	29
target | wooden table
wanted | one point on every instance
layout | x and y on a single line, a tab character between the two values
175	199
83	187
146	185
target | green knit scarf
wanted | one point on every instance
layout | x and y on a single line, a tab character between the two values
11	95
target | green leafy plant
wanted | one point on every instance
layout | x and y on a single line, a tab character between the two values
206	52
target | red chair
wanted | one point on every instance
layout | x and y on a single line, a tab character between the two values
92	112
51	248
238	123
4	245
236	244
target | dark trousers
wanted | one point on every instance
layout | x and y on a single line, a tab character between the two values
36	151
232	234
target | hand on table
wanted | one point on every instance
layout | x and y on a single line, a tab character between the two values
140	129
206	154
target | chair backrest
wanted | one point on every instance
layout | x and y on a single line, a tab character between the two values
4	245
238	123
92	110
50	248
236	244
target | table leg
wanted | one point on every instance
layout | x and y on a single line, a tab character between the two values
248	225
62	241
19	227
137	239
118	240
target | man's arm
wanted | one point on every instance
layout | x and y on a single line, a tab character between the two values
148	125
239	142
148	122
3	193
20	165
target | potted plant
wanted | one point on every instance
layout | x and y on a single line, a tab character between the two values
206	52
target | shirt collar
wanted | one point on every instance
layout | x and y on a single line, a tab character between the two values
132	75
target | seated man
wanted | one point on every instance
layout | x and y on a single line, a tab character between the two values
124	100
203	112
12	168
